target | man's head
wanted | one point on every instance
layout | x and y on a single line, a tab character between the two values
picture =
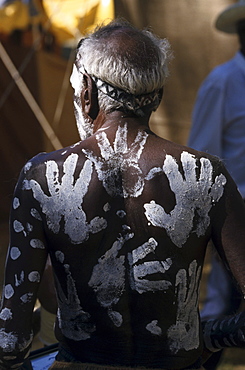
128	68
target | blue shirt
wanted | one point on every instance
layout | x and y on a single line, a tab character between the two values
218	121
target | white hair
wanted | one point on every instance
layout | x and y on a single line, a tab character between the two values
137	65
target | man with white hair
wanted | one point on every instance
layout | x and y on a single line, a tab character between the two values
126	217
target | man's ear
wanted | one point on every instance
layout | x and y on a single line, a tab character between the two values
89	97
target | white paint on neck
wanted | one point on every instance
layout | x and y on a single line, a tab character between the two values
117	161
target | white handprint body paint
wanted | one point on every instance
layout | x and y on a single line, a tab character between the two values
117	159
74	322
184	334
192	196
139	271
108	276
58	204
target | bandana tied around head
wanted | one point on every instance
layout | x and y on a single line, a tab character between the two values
130	102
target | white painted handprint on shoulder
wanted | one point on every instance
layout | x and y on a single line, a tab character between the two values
65	199
192	196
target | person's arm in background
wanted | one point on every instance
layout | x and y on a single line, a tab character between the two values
207	118
25	264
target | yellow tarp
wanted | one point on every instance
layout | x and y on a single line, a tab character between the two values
66	19
73	18
13	16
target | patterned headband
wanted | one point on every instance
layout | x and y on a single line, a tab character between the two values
130	102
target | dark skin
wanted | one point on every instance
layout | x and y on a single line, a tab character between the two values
126	284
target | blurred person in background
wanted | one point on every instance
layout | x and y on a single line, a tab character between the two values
218	127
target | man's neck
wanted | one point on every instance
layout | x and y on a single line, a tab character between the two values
116	118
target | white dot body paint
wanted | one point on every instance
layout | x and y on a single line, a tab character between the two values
154	328
37	244
106	207
115	317
18	227
15	253
29	227
6	314
16	203
34	277
192	196
58	205
184	334
121	213
8	291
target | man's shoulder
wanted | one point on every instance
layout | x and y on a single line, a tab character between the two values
35	166
200	156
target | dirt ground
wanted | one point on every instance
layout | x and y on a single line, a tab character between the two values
233	359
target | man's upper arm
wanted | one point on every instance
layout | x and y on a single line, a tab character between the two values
25	262
228	232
